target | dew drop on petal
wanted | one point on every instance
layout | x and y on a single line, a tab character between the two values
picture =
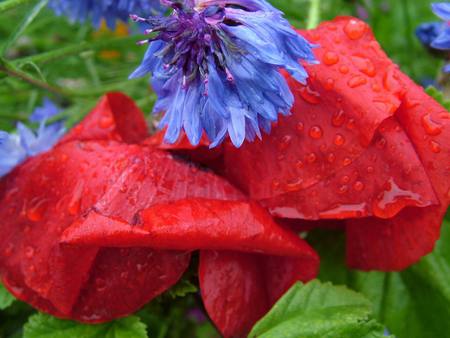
29	252
330	58
381	142
435	147
347	161
311	157
329	84
342	189
339	140
285	142
294	185
106	122
275	184
344	69
345	179
431	127
309	95
299	164
358	186
370	169
354	29
315	132
300	127
338	118
331	157
356	81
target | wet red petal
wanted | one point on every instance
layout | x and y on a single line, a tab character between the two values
398	242
238	289
115	117
193	224
44	196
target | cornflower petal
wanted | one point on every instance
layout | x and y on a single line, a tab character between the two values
215	66
108	10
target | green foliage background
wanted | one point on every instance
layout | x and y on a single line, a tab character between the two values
74	65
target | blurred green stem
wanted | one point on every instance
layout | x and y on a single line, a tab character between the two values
313	14
8	69
10	4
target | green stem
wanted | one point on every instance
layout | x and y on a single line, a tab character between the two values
10	4
313	14
8	69
76	49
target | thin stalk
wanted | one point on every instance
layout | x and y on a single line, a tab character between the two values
10	4
313	14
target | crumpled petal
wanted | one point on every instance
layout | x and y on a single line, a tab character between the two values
238	289
116	117
359	146
396	243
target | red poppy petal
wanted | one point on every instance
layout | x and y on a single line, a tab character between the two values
116	117
386	178
38	201
238	289
194	224
396	243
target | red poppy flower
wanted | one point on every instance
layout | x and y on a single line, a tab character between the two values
100	225
364	144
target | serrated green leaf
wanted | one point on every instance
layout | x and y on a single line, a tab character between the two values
438	96
319	310
414	303
44	326
6	299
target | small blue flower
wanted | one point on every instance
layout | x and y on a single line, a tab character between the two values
16	147
442	39
109	10
215	68
427	32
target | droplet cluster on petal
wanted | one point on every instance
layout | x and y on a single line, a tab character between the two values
215	67
108	10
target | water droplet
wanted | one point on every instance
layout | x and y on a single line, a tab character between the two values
347	161
358	186
331	157
344	69
285	142
100	284
309	95
106	122
330	58
315	132
311	157
338	118
381	142
393	199
339	140
343	211
29	252
300	127
329	84
435	147
275	185
431	127
123	188
36	212
356	81
376	88
345	179
342	189
294	185
64	157
299	164
75	202
355	29
370	169
351	124
364	65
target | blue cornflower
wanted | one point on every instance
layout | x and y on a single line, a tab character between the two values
215	68
109	10
16	147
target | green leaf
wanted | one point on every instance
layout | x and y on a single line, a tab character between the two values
44	326
6	299
318	310
182	288
414	303
438	96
